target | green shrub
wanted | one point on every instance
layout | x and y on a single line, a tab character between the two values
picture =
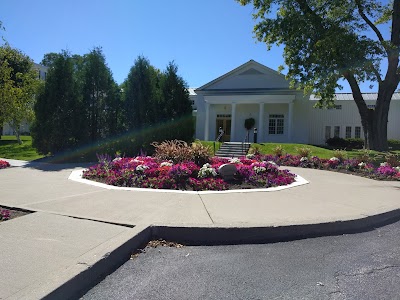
201	154
304	151
336	142
394	144
340	154
393	159
175	150
278	151
354	143
365	155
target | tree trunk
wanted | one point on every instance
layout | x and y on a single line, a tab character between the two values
17	134
379	119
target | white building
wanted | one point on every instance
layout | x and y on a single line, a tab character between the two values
25	126
282	115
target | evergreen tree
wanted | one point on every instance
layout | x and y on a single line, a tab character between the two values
176	104
141	94
58	124
100	97
175	94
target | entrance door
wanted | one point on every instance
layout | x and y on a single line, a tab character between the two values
225	124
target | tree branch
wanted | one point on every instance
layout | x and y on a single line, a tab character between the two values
355	88
395	38
378	76
370	24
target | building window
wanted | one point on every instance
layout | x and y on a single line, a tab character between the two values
223	115
338	106
371	106
39	74
348	132
276	124
327	132
336	131
357	132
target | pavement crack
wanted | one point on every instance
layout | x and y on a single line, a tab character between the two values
370	271
205	207
60	198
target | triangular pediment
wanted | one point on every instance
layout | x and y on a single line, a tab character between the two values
251	75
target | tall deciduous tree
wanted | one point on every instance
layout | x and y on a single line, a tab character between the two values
18	85
58	124
325	41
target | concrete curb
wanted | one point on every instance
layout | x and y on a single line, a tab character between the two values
92	267
98	263
76	176
212	236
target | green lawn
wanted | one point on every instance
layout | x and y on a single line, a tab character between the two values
9	148
268	148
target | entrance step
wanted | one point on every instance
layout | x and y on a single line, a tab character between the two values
233	149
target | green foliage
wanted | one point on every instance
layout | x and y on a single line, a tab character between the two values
249	123
141	94
18	85
350	143
100	95
394	144
157	105
340	154
304	151
278	151
58	124
326	41
80	103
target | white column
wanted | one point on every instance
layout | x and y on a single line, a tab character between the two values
290	121
207	122
261	123
233	121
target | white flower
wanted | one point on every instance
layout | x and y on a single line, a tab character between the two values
397	169
303	159
250	156
333	159
272	163
362	165
206	171
384	164
166	164
117	159
141	168
235	161
259	169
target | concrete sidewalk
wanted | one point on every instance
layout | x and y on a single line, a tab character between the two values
41	251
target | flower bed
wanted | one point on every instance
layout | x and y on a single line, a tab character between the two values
384	171
4	164
149	172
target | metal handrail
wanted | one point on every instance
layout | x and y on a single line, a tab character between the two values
218	138
246	139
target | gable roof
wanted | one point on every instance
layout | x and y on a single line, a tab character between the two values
249	67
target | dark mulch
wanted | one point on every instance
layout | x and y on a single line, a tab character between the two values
14	212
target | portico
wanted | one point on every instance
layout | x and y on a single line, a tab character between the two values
240	107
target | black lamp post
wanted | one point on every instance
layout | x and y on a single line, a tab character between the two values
255	135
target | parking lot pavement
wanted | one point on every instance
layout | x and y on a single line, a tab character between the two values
357	266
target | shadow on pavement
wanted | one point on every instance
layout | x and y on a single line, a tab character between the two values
55	164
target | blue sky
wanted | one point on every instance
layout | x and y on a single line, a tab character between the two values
205	38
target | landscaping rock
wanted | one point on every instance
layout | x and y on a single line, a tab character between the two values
227	171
